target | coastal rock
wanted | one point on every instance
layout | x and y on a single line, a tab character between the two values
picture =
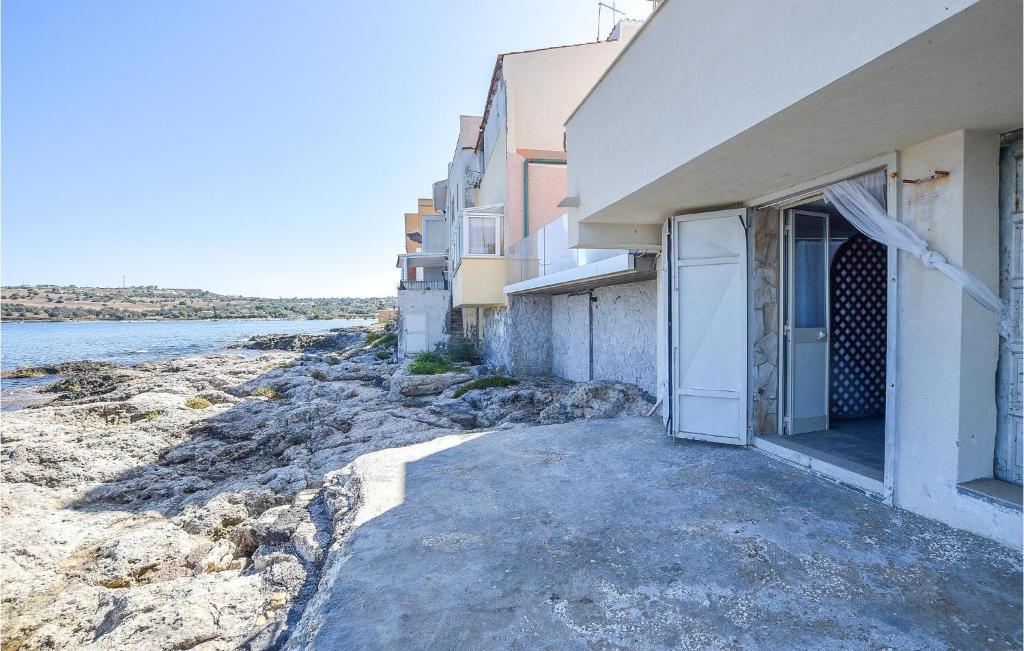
132	520
408	385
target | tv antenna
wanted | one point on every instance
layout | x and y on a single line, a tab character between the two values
611	7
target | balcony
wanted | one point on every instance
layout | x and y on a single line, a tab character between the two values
547	252
543	263
423	284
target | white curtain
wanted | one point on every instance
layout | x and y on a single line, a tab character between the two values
869	217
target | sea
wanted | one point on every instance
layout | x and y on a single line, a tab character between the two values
130	342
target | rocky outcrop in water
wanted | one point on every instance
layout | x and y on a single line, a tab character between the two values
191	503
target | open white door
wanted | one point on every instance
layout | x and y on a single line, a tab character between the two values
709	327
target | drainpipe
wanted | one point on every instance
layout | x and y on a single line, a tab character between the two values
669	272
526	187
590	332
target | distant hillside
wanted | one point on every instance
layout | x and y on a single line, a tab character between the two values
60	303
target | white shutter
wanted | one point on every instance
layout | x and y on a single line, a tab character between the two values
709	324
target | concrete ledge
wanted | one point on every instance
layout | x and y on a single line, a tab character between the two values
845	472
612	271
994	491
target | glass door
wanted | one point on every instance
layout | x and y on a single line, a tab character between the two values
807	321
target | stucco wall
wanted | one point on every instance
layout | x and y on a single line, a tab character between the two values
947	343
433	304
569	337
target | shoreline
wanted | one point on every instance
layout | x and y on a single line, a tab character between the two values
207	497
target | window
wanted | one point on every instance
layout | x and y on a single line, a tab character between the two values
483	235
478	231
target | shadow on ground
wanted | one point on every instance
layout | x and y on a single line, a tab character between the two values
606	534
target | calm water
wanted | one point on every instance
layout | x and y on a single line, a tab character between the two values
133	342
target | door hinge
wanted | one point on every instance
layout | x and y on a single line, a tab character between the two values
787	331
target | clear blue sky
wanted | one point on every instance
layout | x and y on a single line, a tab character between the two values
242	146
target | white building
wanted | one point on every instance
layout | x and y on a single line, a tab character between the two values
716	138
424	295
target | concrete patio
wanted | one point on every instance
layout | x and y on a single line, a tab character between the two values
605	534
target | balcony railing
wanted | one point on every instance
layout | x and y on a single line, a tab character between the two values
547	251
423	284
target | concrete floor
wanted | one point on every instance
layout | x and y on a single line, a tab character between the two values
604	534
857	444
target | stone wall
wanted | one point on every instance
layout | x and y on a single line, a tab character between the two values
624	333
518	337
570	344
764	331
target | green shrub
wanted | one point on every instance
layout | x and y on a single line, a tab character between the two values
197	403
430	364
318	375
152	415
266	392
383	353
486	383
387	340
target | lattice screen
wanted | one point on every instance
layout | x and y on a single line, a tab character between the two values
858	307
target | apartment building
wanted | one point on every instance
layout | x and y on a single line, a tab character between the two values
424	295
523	295
838	219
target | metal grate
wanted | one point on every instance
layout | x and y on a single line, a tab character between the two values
858	304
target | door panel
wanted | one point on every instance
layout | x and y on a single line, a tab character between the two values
415	326
710	327
808	332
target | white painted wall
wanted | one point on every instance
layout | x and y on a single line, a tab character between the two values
947	344
703	71
433	305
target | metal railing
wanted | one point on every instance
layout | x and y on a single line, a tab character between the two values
423	284
547	251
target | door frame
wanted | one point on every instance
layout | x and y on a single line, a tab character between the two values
801	193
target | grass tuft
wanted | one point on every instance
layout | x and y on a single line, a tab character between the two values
197	403
152	415
488	382
266	392
430	364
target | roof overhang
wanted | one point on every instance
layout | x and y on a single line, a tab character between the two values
964	73
617	270
425	260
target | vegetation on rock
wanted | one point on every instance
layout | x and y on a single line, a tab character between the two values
430	364
487	382
197	403
61	303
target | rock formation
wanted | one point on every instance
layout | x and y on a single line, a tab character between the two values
133	520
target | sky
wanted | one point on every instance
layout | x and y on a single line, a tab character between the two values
263	148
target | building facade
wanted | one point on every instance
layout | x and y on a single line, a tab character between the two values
515	281
424	294
833	231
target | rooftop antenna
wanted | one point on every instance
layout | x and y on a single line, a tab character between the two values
123	284
611	7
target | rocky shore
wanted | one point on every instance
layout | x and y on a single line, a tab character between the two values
194	503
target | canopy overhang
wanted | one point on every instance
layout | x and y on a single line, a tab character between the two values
964	73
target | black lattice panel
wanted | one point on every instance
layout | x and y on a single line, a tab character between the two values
858	329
